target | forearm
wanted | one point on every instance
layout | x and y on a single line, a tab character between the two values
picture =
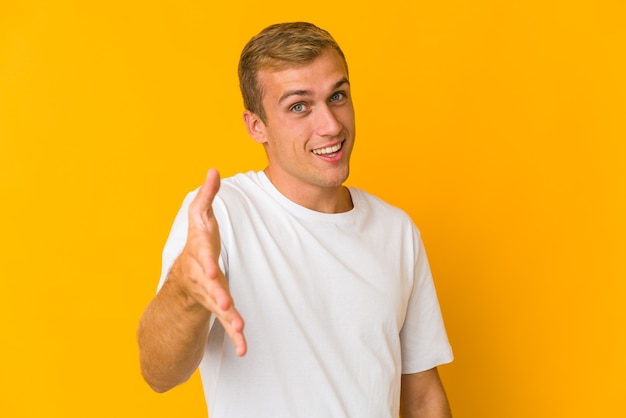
172	334
423	396
434	408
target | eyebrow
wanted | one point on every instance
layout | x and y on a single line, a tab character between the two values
290	93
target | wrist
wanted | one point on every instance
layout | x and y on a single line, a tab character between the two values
178	283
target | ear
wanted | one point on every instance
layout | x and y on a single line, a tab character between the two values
255	126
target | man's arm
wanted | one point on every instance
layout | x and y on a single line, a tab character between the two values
174	328
422	396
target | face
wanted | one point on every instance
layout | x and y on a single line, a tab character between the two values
310	128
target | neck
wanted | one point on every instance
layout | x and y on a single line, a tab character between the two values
335	199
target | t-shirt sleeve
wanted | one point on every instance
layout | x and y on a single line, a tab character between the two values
176	239
423	335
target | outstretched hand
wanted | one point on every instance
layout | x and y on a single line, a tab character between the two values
203	279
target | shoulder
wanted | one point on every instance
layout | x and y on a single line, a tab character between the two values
243	195
241	189
240	183
379	207
390	223
233	191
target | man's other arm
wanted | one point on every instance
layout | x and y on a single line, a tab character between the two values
422	396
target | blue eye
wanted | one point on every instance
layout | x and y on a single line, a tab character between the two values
336	96
298	108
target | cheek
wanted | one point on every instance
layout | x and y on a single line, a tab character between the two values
284	146
346	116
295	135
291	136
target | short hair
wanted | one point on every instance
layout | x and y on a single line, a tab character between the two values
278	47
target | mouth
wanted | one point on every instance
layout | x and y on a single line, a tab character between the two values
328	151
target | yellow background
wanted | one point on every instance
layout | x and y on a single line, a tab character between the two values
499	126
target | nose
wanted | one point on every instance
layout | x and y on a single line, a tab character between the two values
327	122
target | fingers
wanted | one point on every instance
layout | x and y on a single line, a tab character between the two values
234	329
215	296
231	319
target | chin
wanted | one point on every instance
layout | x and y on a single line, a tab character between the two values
337	179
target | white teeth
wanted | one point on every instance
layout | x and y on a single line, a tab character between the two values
327	150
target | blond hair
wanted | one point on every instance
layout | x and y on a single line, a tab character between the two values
277	47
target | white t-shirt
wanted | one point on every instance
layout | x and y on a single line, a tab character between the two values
336	306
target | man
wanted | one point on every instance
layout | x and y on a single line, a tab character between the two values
341	315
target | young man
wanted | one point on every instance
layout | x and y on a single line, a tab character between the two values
341	314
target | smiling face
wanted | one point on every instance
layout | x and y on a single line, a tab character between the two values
310	127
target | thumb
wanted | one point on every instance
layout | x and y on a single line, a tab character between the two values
203	201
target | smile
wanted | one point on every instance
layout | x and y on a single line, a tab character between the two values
328	150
